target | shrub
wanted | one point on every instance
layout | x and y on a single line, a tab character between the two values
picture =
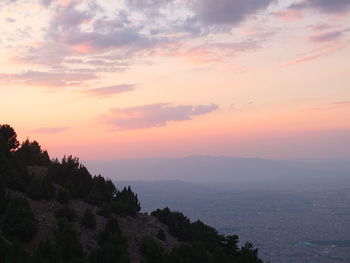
19	222
12	252
4	199
40	188
112	245
46	252
105	210
67	241
161	235
152	250
63	196
88	220
67	213
126	203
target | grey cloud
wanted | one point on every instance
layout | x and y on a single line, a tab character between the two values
66	37
328	36
46	2
81	30
203	109
148	4
49	130
154	115
110	90
326	6
227	12
47	79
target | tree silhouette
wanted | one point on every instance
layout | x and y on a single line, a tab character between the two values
32	154
8	138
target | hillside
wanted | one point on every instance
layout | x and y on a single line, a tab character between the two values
56	211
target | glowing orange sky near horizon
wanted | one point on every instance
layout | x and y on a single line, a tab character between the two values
273	85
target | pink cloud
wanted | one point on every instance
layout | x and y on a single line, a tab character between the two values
289	15
47	79
345	102
211	52
153	115
109	90
314	55
49	130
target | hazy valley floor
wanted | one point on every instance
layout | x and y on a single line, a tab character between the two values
302	225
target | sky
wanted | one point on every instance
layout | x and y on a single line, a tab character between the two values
106	80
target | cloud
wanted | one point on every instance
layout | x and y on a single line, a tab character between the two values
148	4
314	55
325	6
78	29
109	90
214	52
289	15
327	36
227	12
154	115
88	37
10	20
49	130
46	79
345	102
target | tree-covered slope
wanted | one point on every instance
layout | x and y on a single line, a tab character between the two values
56	211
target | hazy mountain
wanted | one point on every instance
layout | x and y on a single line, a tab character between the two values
221	169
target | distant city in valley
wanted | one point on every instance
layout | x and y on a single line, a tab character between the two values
288	226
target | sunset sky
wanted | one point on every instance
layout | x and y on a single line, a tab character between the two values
120	79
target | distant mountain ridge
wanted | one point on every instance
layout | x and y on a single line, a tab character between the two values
218	169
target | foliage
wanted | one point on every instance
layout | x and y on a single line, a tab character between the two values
207	246
102	190
46	252
152	250
4	199
178	223
13	172
63	196
12	252
112	245
88	220
67	213
19	222
40	188
105	210
161	235
67	241
72	175
32	154
8	138
126	203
